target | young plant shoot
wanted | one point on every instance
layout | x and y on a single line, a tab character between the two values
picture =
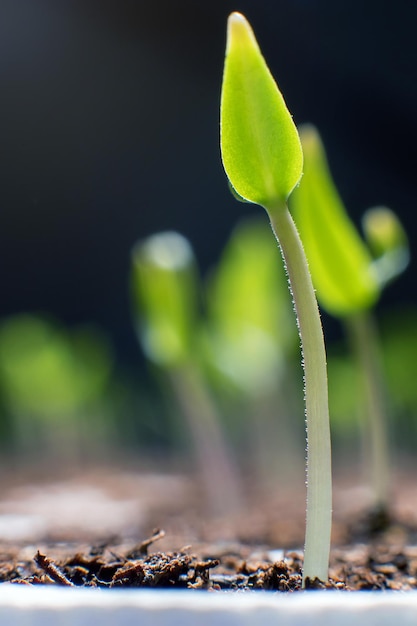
349	280
250	319
164	293
387	242
251	344
263	159
53	382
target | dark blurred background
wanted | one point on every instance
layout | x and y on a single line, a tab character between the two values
109	132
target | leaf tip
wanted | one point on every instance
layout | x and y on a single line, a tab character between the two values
239	31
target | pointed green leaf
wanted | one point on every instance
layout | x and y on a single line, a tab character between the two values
260	145
340	263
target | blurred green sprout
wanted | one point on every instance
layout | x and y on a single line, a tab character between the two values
48	372
249	314
164	293
340	263
251	347
349	277
56	387
165	296
388	243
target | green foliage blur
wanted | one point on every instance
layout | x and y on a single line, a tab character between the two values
164	291
49	373
340	263
55	389
60	390
249	334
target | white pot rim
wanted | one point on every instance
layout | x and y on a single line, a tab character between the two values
49	605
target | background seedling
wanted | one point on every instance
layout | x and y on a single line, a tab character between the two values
54	385
387	242
349	280
263	160
164	286
251	346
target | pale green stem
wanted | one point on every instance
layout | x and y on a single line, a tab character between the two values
217	467
319	481
363	335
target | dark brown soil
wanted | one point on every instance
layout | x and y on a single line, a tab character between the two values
211	567
250	550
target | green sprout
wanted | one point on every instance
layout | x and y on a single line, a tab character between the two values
250	337
387	242
164	288
263	159
51	378
349	279
249	313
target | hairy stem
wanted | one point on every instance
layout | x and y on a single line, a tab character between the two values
319	482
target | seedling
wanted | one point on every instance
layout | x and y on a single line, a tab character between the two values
164	286
387	242
251	341
262	157
249	313
349	280
53	381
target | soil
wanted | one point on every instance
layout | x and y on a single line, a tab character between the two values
213	568
253	549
